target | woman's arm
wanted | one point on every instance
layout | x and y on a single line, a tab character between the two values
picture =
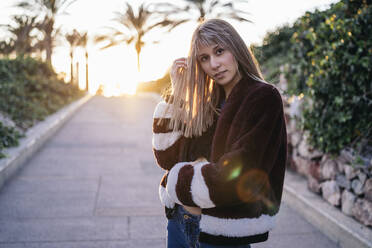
167	144
244	173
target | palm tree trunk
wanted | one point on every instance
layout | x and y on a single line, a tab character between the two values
77	74
86	72
138	62
72	67
49	49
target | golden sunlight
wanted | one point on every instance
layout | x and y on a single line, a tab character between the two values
113	69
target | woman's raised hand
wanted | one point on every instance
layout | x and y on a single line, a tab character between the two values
179	65
201	159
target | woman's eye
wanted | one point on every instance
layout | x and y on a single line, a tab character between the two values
203	59
219	51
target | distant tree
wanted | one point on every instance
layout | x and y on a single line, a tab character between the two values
134	26
83	42
48	10
202	9
21	41
72	39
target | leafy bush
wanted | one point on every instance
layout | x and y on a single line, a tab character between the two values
29	91
332	64
328	57
273	54
8	137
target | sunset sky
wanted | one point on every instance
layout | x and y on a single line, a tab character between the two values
116	67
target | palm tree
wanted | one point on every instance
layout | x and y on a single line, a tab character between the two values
72	39
133	27
49	10
21	42
203	9
83	42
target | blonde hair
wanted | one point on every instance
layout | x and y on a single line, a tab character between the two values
195	96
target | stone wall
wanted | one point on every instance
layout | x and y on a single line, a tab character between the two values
337	179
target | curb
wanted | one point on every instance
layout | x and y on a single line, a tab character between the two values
36	136
342	229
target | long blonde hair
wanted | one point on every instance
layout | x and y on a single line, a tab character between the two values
195	96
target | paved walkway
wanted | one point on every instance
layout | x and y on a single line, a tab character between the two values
95	184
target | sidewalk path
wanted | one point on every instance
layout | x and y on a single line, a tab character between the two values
95	185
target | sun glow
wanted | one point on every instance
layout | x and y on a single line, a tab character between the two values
113	69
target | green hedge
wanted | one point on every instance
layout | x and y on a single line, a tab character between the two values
332	64
29	91
273	53
329	59
9	137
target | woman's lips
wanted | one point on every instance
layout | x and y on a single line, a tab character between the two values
219	75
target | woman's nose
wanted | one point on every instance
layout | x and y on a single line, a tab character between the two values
214	63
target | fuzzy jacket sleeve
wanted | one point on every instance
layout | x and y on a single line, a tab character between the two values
170	147
167	144
244	173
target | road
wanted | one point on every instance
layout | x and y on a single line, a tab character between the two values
95	185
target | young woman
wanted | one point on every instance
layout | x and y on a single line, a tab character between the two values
221	137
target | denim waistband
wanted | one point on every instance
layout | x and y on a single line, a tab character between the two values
184	214
188	224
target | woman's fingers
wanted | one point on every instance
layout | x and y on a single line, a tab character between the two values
178	66
181	62
201	159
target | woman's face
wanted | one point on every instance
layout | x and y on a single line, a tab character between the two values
219	64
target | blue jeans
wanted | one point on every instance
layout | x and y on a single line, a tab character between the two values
183	231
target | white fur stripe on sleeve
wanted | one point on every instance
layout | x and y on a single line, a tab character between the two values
161	110
199	189
162	141
172	181
165	198
237	227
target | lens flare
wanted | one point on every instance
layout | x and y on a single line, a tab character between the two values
253	186
235	173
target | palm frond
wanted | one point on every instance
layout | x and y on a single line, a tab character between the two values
130	40
24	5
163	23
101	38
233	16
176	23
111	44
212	6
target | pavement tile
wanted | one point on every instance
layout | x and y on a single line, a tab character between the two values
78	166
157	210
32	184
63	229
128	191
147	227
47	204
290	222
310	240
154	243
